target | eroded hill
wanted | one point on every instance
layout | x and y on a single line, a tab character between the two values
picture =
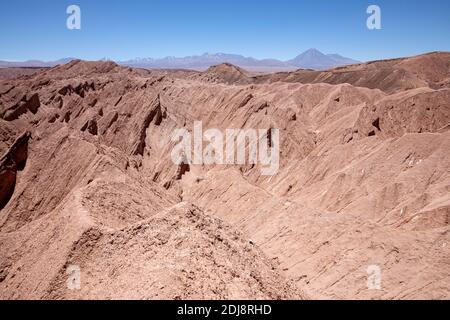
364	180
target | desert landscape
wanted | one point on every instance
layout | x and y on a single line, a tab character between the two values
87	180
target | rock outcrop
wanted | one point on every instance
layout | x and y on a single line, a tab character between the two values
14	160
26	104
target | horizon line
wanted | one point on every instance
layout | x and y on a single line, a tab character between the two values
199	55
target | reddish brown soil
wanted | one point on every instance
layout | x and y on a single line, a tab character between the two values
87	180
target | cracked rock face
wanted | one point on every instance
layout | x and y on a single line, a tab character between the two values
87	183
31	104
12	161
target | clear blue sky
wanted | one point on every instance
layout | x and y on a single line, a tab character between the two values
121	30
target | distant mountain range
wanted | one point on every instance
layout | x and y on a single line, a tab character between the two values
316	60
33	63
310	59
205	61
